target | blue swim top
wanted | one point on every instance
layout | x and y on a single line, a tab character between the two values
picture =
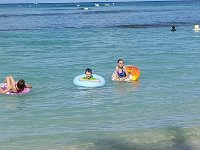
121	74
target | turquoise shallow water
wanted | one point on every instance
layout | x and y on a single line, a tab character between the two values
48	47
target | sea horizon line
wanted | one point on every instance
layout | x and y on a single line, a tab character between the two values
128	1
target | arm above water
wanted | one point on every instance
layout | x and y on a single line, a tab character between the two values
93	80
116	74
28	86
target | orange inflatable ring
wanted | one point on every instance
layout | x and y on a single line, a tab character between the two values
134	71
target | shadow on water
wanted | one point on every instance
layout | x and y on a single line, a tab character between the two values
113	144
178	142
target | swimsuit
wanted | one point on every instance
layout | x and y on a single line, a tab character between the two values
121	74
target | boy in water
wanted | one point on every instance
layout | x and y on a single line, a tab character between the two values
88	76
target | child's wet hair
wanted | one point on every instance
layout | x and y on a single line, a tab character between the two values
88	70
120	60
21	84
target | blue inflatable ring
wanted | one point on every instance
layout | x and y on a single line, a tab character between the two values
77	81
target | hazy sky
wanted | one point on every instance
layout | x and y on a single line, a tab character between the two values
59	1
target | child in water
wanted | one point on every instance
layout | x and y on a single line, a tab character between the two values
120	73
13	86
88	76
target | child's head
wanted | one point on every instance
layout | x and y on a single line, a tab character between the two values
88	73
120	63
21	84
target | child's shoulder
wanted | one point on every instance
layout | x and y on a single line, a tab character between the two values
11	86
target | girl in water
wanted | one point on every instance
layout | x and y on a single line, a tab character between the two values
120	73
14	87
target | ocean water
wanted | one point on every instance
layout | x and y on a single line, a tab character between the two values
50	44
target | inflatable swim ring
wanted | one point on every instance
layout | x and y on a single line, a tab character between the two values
88	83
134	71
4	86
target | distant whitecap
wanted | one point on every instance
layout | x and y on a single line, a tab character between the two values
97	5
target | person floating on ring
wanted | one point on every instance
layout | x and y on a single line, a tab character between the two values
121	74
88	76
14	87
